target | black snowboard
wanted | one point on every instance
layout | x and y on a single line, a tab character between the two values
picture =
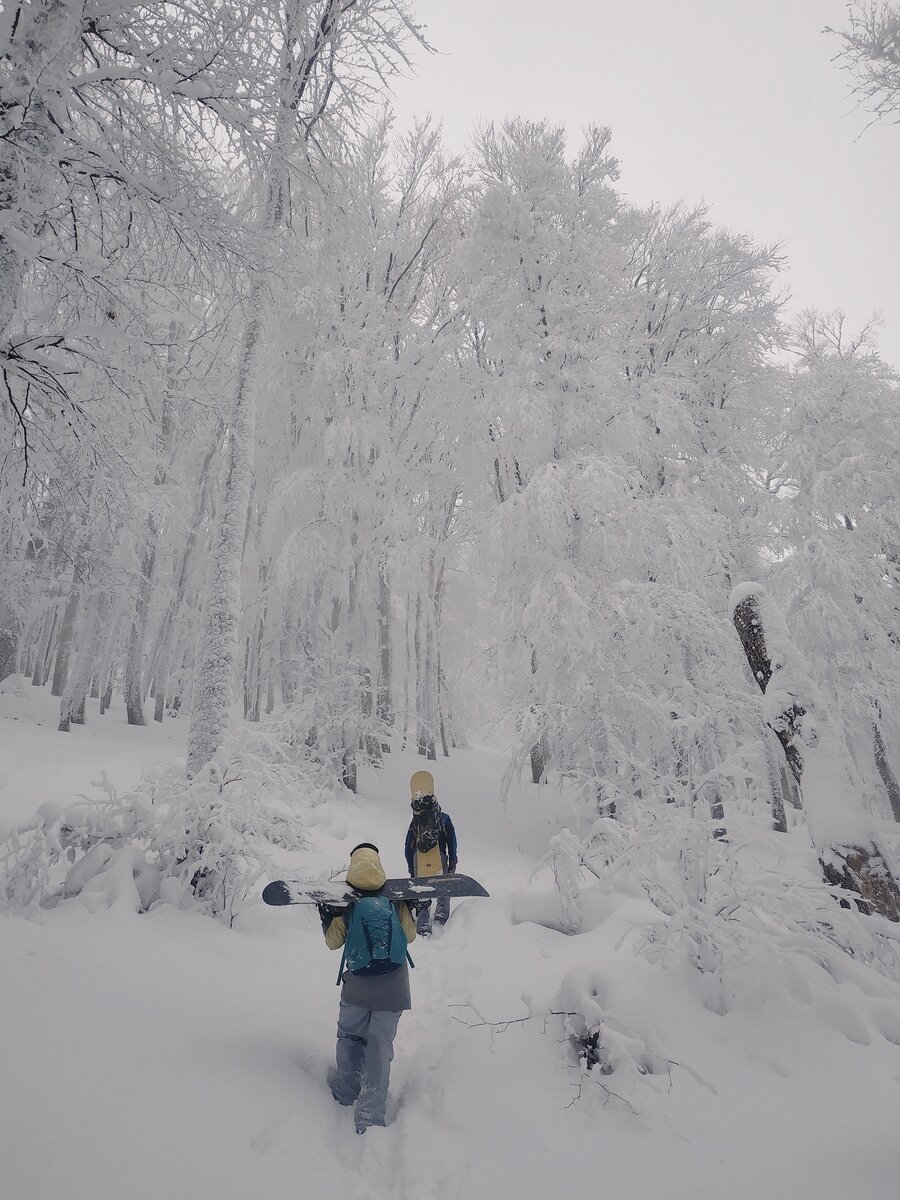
339	894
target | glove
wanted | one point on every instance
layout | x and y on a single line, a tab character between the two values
327	913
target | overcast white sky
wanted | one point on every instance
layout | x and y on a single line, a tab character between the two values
735	102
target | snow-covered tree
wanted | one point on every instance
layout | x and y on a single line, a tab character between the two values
838	531
846	842
367	346
331	55
115	119
870	51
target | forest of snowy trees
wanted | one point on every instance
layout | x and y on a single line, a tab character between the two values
302	411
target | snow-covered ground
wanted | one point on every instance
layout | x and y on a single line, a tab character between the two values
166	1056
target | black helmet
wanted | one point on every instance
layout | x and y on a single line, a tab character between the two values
424	804
364	846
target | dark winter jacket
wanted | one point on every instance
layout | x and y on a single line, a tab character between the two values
446	843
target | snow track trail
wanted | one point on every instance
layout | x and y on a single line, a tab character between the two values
167	1057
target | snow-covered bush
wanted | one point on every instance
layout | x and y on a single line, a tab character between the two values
327	722
732	918
201	842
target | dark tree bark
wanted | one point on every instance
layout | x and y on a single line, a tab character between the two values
539	753
775	773
348	769
538	762
270	689
748	623
10	628
106	698
888	778
42	658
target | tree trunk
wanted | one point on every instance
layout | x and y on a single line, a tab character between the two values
371	746
383	706
42	656
429	677
67	629
253	677
539	749
286	665
164	655
447	718
674	779
789	788
421	732
443	718
159	700
775	776
10	631
106	698
888	778
848	853
135	683
270	687
103	645
161	666
106	669
246	688
707	758
214	677
74	698
409	677
134	658
348	769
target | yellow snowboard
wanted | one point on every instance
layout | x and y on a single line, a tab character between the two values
428	863
421	784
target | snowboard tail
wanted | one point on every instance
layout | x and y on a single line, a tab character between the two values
339	894
421	784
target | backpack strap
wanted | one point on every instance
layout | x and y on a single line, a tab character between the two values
396	908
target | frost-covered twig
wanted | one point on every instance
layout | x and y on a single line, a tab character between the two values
587	1077
503	1025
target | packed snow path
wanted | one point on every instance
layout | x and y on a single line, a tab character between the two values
167	1056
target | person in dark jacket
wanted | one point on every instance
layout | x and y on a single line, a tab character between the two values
431	849
371	1006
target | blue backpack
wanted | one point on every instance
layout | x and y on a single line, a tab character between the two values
375	943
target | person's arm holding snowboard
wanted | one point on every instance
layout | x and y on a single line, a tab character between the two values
452	848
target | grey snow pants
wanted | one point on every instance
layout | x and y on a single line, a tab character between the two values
441	914
365	1050
441	908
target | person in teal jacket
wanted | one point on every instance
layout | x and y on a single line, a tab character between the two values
371	1005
